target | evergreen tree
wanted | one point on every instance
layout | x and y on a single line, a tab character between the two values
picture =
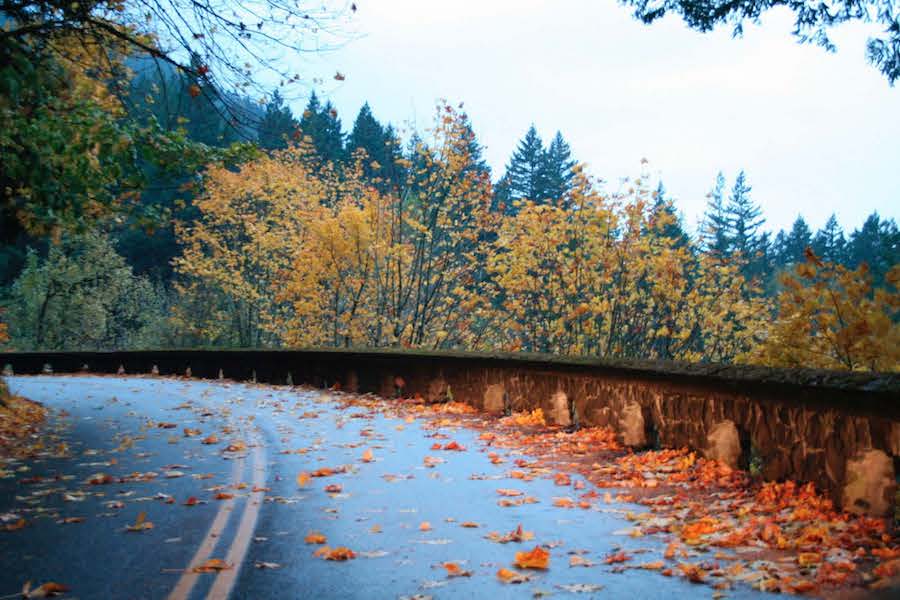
476	151
368	135
393	173
829	243
877	244
278	124
525	171
323	127
744	219
673	229
557	169
794	244
502	200
715	225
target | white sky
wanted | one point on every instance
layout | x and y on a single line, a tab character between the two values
816	132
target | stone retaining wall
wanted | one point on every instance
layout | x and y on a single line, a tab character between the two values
840	431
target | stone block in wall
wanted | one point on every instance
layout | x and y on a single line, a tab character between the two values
632	428
723	443
599	417
870	484
559	409
352	383
437	390
894	439
493	398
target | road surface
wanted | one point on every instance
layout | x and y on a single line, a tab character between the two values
117	432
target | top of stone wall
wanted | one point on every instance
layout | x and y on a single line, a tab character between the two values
880	384
808	380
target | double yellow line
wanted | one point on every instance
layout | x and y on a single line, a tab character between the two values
237	552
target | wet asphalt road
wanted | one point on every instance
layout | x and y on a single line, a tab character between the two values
112	425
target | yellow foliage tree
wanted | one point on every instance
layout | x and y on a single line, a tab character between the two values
830	317
237	253
604	278
288	251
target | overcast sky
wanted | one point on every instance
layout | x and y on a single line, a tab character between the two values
815	132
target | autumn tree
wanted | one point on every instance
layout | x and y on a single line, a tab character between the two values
237	253
606	278
830	317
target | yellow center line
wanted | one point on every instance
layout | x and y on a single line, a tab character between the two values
186	583
225	580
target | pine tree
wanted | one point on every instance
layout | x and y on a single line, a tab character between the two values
794	244
715	225
368	134
525	171
322	125
829	243
393	173
557	170
673	229
877	244
502	199
744	219
477	163
277	125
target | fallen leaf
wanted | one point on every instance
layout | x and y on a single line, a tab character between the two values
213	565
367	456
303	479
141	524
538	558
45	590
425	526
454	570
314	537
580	588
340	553
510	576
579	561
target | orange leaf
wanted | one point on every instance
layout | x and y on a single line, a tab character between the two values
224	496
213	565
140	524
340	553
367	456
425	526
314	537
454	570
510	576
303	479
538	558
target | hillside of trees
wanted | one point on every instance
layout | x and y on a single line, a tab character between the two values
217	221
